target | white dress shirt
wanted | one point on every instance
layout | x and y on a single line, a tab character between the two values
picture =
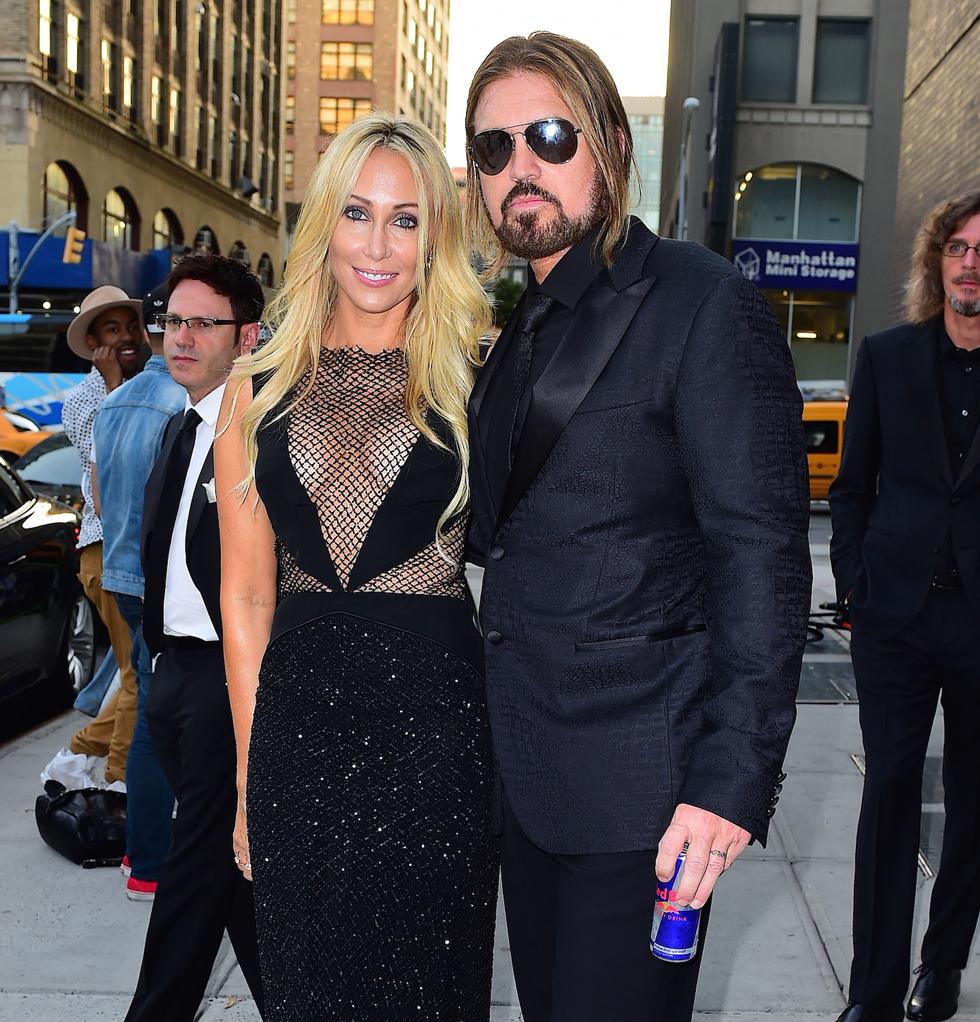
184	612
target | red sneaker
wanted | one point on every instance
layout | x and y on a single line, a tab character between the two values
124	867
140	890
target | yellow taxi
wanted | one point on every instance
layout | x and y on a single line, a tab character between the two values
823	426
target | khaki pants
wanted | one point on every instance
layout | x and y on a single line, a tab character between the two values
111	732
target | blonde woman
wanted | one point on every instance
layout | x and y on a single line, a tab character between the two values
352	658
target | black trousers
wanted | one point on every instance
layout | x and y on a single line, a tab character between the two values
899	681
579	928
201	892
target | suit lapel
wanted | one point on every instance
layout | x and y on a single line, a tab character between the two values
154	483
926	386
199	498
582	354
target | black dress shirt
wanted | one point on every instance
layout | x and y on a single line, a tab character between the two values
959	391
568	280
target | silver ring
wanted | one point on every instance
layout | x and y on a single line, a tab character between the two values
718	854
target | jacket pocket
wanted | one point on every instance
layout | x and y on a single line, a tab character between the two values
640	640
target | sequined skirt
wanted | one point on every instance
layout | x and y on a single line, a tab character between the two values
368	815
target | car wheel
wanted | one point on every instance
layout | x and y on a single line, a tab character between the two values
81	643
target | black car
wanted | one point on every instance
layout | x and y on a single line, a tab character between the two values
53	469
46	623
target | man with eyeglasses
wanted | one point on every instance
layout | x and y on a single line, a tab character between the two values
639	496
212	316
906	557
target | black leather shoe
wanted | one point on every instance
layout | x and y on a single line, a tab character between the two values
872	1013
935	995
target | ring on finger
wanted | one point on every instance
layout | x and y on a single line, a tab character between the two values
718	853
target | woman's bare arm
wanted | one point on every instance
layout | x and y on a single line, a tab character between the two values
248	571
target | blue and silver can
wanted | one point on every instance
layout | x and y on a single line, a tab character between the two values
674	937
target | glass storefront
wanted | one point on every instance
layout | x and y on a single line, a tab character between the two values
799	222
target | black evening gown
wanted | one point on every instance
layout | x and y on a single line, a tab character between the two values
369	766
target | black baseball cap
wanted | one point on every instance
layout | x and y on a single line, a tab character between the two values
154	304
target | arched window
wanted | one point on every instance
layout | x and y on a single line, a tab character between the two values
797	202
240	254
121	220
63	191
206	242
166	229
264	271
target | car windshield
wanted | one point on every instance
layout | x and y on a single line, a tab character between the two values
56	466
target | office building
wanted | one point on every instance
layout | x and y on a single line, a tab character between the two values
781	149
345	58
157	123
646	117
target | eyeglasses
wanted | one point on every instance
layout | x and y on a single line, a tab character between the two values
958	249
195	324
553	140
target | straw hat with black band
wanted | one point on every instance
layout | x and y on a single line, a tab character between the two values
93	305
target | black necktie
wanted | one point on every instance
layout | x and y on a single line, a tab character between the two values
165	519
534	313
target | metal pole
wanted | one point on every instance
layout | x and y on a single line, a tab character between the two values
13	255
682	191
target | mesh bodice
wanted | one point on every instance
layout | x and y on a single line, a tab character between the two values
349	440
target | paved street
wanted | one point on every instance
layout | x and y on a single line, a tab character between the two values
779	946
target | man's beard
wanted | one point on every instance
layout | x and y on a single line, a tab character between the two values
524	238
964	307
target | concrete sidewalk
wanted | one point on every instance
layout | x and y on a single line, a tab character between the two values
779	947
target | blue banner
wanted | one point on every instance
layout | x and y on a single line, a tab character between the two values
39	396
798	265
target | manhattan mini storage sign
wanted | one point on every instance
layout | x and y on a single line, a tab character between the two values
798	265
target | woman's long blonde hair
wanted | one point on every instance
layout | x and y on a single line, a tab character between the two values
447	316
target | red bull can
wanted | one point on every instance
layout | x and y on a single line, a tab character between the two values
674	937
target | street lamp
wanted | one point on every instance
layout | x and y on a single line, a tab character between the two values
689	106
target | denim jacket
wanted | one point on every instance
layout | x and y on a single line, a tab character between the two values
128	431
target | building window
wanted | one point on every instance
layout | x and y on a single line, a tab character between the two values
44	27
240	254
107	94
290	59
797	202
205	242
769	60
413	31
263	270
129	79
120	220
288	169
64	191
156	93
290	12
290	114
175	119
346	61
428	63
166	229
439	31
840	74
73	29
420	48
347	12
337	112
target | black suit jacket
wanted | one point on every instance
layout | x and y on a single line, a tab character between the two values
896	498
647	577
202	548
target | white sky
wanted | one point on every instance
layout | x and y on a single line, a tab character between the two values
629	35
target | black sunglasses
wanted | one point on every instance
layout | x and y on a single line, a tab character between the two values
553	140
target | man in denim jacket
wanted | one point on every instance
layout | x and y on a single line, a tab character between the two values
128	429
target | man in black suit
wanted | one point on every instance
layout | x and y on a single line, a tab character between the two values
640	505
906	557
212	316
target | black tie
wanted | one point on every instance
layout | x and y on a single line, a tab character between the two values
534	313
166	518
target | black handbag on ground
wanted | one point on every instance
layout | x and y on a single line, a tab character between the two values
87	826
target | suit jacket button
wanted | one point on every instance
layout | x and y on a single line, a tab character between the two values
494	638
496	552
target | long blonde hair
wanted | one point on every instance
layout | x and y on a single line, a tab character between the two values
587	88
449	313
